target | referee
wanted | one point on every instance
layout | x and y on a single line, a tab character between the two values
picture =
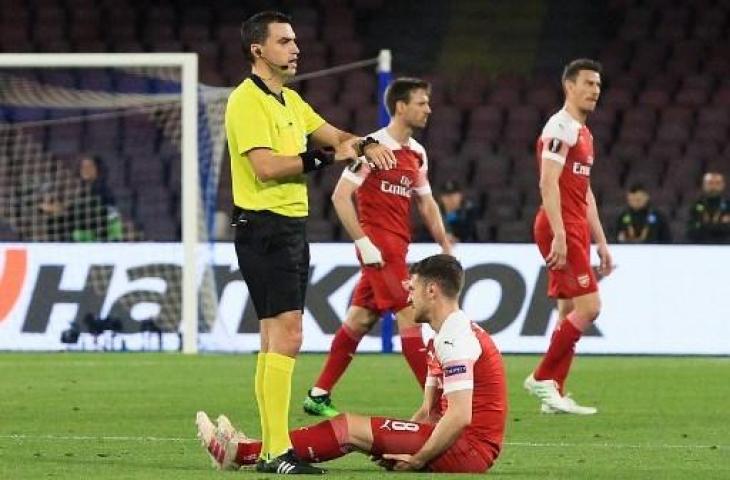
267	126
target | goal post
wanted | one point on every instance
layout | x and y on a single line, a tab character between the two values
190	191
156	133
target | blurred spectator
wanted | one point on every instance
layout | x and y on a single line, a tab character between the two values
92	214
640	222
460	214
710	215
52	213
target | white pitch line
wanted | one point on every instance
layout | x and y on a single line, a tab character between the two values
638	446
659	446
84	438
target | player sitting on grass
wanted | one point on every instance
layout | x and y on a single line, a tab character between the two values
459	427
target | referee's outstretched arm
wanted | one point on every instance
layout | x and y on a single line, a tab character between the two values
268	166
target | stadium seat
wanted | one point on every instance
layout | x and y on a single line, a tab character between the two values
513	231
450	168
663	112
505	97
617	98
491	171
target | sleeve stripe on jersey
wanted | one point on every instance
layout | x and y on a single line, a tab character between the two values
357	180
424	190
553	156
461	385
259	147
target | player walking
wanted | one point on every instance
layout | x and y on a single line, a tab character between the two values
564	223
381	229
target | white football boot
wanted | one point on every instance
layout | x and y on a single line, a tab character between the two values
569	406
552	402
226	430
546	390
222	451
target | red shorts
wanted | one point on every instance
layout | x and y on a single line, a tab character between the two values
391	435
577	277
381	289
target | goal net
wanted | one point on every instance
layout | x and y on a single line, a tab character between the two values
116	148
109	172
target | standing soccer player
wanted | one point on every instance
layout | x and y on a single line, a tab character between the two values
267	126
381	229
459	427
563	227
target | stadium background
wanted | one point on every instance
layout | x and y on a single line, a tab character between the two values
663	116
662	120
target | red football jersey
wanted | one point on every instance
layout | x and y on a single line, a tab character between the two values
383	197
463	356
560	129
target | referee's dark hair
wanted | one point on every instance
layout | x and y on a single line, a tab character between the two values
255	29
571	70
443	269
400	90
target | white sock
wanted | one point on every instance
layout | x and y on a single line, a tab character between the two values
318	392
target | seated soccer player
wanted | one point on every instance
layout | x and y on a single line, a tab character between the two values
459	427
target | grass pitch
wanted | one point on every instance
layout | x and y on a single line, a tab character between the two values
131	416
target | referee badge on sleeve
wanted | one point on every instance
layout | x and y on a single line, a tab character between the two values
554	145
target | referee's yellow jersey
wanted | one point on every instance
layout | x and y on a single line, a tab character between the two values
255	118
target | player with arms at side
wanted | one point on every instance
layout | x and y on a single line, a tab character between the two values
563	227
267	126
381	229
459	427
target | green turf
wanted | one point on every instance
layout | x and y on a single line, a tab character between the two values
86	416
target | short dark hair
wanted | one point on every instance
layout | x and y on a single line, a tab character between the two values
571	70
443	269
637	187
451	186
255	29
400	90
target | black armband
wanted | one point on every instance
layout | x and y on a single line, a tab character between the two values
316	159
360	146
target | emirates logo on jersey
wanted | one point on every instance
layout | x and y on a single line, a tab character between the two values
402	189
581	169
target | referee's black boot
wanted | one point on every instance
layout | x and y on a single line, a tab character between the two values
289	464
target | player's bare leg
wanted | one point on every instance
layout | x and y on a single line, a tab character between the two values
547	382
586	309
414	350
359	432
358	322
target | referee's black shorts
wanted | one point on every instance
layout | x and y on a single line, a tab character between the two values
273	256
